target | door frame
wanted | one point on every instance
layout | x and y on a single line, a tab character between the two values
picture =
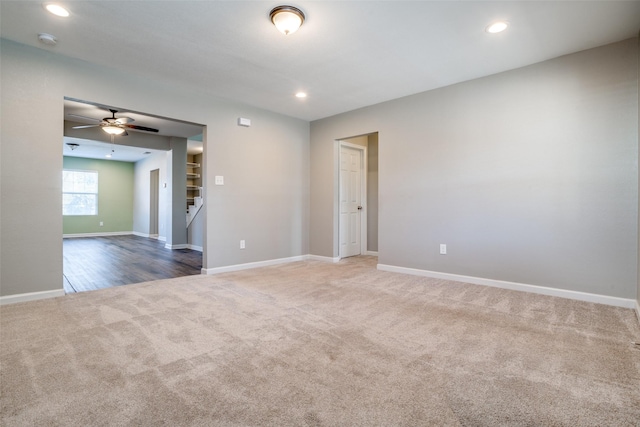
363	195
154	203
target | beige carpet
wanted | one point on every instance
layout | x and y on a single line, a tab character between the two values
315	344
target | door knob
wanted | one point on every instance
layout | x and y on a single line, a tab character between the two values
359	208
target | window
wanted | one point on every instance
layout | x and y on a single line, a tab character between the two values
79	192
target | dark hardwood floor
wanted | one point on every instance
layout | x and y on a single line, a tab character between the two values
92	263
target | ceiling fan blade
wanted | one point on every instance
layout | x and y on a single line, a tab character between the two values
124	120
84	117
143	128
85	126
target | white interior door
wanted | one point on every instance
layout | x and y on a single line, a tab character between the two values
351	166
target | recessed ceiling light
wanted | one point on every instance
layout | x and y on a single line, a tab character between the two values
56	9
497	27
301	95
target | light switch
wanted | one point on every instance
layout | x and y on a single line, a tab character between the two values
219	180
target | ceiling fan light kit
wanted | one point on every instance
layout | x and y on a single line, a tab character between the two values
287	19
116	125
113	129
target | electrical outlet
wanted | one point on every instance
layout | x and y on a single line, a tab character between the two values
242	245
443	249
101	224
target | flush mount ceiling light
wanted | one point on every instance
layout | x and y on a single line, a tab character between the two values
113	129
301	95
287	19
497	27
56	9
48	39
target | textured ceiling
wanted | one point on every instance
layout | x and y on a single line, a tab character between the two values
347	55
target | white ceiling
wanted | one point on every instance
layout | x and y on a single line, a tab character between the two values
91	149
347	55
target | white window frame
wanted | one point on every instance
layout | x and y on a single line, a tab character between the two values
96	193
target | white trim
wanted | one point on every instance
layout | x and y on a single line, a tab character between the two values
194	247
137	233
105	234
562	293
162	238
31	296
180	246
638	310
250	265
372	253
322	258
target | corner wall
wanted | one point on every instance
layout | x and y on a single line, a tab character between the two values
529	176
638	118
142	199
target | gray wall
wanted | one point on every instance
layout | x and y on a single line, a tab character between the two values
265	199
142	198
528	176
176	218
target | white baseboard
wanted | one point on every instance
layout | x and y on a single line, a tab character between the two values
31	296
372	253
250	265
105	234
194	247
180	246
162	238
322	258
562	293
638	309
150	236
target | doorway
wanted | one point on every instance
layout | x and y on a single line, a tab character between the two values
353	199
134	168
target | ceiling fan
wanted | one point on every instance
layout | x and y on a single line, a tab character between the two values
114	125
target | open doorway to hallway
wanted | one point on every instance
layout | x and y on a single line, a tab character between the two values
358	195
147	178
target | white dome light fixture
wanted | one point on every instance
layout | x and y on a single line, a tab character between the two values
497	27
287	19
